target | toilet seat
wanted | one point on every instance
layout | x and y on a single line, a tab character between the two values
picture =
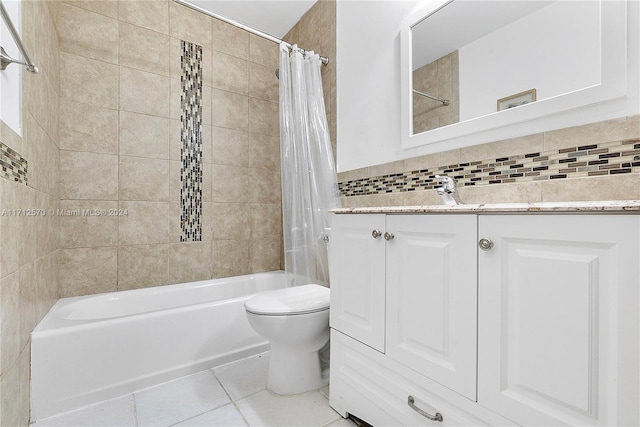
289	301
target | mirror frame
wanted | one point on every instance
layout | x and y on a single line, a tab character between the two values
499	125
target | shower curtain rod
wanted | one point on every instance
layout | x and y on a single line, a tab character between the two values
5	59
426	95
259	33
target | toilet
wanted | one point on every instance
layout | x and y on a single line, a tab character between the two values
296	322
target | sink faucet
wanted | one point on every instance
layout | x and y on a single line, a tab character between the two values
448	191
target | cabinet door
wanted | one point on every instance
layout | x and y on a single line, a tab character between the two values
558	319
356	265
432	297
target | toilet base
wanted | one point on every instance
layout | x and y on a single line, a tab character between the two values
293	372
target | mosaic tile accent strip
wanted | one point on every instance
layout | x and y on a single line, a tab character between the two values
609	158
14	166
191	147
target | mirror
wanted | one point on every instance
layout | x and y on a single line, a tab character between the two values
473	65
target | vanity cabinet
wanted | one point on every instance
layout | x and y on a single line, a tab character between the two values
545	306
558	318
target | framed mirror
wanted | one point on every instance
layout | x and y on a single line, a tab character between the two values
472	66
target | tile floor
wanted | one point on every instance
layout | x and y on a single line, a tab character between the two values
229	395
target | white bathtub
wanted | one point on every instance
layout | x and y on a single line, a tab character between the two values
89	349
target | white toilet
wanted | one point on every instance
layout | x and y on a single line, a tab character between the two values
296	323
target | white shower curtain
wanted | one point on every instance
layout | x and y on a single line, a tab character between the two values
309	183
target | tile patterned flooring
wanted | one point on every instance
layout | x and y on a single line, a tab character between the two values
229	395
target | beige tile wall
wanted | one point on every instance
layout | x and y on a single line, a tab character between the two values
439	78
120	147
28	244
316	31
612	187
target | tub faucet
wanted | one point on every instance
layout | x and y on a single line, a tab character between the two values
448	191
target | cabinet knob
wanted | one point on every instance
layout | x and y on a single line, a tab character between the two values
485	244
388	236
376	234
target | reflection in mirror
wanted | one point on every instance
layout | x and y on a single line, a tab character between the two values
472	58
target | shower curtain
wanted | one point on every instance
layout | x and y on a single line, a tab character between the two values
309	183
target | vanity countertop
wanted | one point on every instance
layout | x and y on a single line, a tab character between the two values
607	206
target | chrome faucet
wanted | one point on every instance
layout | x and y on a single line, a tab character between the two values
448	191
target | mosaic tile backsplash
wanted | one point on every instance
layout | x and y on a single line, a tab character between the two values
609	158
191	147
14	166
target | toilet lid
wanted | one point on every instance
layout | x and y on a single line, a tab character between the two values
296	300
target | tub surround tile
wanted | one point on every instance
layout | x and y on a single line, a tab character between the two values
144	223
230	221
79	226
230	73
263	117
264	151
191	164
88	128
265	254
265	220
190	25
10	338
230	184
187	397
263	83
85	175
189	262
143	49
230	110
230	258
14	166
264	52
153	15
89	34
265	185
77	81
88	270
230	147
106	8
230	39
10	402
143	179
143	266
10	238
143	135
144	92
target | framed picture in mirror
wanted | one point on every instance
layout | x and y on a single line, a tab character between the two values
517	100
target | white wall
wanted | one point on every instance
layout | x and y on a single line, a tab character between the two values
368	87
542	50
11	77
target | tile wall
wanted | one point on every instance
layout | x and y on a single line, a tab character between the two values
316	31
440	79
120	147
28	200
598	161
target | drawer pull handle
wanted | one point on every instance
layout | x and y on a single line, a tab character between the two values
437	417
376	234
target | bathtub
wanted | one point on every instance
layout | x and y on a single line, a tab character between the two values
93	348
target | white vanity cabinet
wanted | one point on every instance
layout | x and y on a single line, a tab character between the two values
558	319
544	305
